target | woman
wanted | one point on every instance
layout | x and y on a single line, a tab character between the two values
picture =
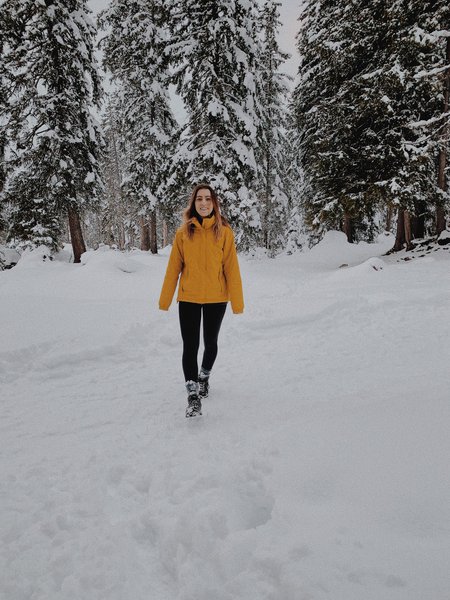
204	253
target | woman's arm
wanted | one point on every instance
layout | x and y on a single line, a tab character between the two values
174	268
232	273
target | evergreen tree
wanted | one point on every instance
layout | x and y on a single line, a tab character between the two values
442	208
214	52
322	147
134	50
357	101
272	143
6	30
54	139
414	99
114	213
294	182
3	107
438	33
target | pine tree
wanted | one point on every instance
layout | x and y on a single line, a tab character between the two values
134	50
214	52
357	104
271	149
322	144
3	116
414	99
6	31
54	139
440	35
114	212
444	146
295	185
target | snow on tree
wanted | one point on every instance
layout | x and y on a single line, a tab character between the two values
214	51
321	146
114	210
437	71
414	99
272	93
134	52
293	177
360	105
54	140
3	112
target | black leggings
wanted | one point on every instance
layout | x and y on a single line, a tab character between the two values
190	316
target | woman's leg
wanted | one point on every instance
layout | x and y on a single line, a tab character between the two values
212	320
190	314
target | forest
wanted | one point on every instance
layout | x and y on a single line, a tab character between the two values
318	469
91	153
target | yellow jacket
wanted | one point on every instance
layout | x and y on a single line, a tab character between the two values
209	268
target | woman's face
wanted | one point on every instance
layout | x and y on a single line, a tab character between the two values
203	202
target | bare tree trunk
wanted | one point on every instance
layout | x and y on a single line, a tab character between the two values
400	234
347	227
121	235
2	135
441	221
417	227
2	176
442	176
2	162
153	236
408	235
145	234
165	233
76	235
389	218
418	221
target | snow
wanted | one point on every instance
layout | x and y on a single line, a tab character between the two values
318	471
90	177
8	257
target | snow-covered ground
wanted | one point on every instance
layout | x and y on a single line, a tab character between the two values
320	469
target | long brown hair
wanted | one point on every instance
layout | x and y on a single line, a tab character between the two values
190	212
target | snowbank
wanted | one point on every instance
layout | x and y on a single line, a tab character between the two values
8	257
104	259
334	250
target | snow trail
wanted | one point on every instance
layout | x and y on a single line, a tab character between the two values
319	469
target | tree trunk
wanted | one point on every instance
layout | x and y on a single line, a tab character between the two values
400	234
145	234
408	235
2	162
2	177
441	221
418	220
76	235
418	227
442	176
165	234
153	236
389	213
121	235
347	228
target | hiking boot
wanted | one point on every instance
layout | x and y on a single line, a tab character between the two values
203	382
203	387
194	407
